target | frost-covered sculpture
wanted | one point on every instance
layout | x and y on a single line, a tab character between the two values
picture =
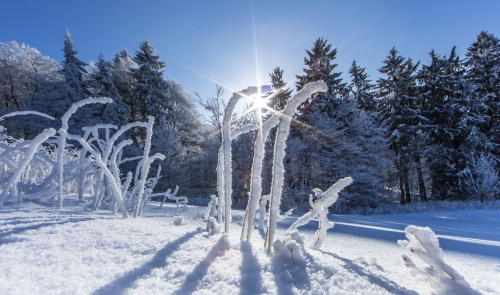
423	243
319	209
279	154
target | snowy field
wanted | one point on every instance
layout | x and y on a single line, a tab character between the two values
44	250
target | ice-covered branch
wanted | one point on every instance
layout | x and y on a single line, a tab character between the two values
74	107
220	184
111	180
256	176
63	131
226	154
242	130
320	210
28	156
279	154
26	113
423	243
145	165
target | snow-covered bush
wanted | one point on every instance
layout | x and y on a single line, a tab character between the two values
214	227
211	211
291	247
36	168
262	212
178	220
480	178
423	243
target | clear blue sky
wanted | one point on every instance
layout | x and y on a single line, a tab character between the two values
204	42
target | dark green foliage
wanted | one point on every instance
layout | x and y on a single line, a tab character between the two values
149	93
361	88
319	68
280	98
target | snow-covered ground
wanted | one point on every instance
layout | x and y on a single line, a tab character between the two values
44	250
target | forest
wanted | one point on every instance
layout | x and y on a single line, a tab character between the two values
423	131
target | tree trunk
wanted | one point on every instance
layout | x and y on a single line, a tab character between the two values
421	183
407	183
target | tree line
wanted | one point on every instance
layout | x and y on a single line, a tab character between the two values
419	132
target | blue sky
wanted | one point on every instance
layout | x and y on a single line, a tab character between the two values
234	42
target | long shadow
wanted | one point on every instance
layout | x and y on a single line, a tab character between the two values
119	285
4	236
385	283
200	271
251	278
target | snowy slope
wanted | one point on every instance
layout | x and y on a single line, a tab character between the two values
44	250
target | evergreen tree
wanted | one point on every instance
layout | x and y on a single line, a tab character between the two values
56	97
149	93
401	108
73	70
319	68
101	85
483	73
444	100
121	72
281	96
361	88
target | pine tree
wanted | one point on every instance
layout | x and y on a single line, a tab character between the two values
73	70
281	96
361	88
483	73
148	96
319	68
444	99
121	70
400	106
56	97
101	85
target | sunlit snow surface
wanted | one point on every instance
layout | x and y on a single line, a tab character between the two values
44	250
